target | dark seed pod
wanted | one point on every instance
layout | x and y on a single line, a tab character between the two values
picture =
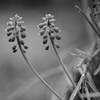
23	35
58	37
9	33
14	47
57	46
14	51
45	41
47	48
22	42
26	47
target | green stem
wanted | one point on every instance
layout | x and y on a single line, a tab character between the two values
36	73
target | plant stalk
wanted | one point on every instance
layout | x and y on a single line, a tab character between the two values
36	73
63	66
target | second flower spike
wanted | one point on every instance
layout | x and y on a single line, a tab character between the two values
48	29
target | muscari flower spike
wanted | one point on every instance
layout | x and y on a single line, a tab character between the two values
48	29
16	30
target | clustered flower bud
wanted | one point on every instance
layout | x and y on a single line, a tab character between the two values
48	29
17	30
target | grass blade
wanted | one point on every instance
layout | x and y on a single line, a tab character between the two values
76	90
92	26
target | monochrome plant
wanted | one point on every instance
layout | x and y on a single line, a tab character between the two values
88	85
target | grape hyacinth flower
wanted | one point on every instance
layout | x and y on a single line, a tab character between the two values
48	29
16	30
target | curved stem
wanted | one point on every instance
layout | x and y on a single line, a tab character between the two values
62	64
64	68
36	73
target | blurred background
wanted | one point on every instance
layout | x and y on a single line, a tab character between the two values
15	76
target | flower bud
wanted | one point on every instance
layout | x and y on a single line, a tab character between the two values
11	28
26	47
18	17
58	37
41	33
45	37
9	33
23	28
23	35
57	46
51	30
45	41
22	42
44	18
52	36
24	51
10	23
12	19
51	20
52	24
47	47
44	28
12	39
20	23
14	51
56	29
14	47
41	25
49	16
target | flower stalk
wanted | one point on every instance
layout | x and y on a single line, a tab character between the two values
47	30
17	29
